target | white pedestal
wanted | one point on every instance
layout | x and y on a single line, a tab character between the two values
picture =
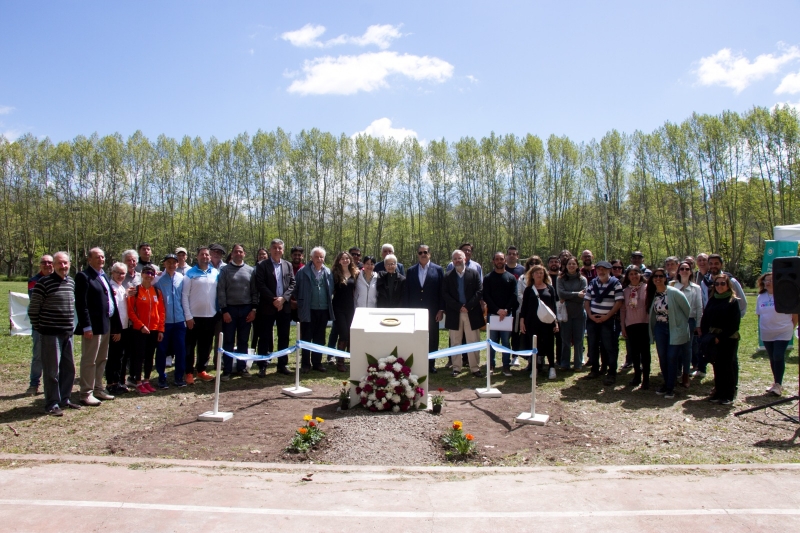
296	391
488	393
536	419
369	336
210	416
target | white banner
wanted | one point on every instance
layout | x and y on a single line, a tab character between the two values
18	323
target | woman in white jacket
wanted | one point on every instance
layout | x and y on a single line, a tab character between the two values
366	291
693	293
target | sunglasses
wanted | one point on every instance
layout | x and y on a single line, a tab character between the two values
355	254
616	268
685	269
45	262
720	283
657	276
422	252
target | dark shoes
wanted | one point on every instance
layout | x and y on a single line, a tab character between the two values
283	370
70	405
305	369
635	382
609	380
477	374
340	367
262	372
54	411
320	368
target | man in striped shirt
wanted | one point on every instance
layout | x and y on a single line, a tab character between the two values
603	299
52	311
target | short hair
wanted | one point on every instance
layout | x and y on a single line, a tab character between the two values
512	247
201	248
553	257
119	267
701	254
240	245
276	241
94	250
717	257
498	252
464	244
368	259
297	248
354	249
142	245
318	249
672	258
44	255
65	254
390	256
389	246
424	246
456	251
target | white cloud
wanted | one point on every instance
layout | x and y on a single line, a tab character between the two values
789	85
382	127
251	51
305	36
366	72
795	105
11	135
737	72
5	109
472	78
380	35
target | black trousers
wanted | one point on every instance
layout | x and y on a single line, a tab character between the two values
200	338
118	354
638	344
266	338
726	369
314	331
144	349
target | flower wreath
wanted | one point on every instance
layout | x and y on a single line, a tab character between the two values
389	384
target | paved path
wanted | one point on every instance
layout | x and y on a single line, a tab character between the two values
105	494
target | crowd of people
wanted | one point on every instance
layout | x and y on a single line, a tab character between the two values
139	315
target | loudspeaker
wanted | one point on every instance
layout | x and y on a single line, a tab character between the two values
786	284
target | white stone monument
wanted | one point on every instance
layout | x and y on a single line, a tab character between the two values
378	331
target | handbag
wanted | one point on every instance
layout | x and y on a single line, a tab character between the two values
561	311
543	313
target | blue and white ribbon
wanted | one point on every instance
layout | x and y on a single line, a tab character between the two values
502	349
303	345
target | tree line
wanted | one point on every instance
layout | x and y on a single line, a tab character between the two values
711	183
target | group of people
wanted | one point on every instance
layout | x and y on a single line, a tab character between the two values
140	315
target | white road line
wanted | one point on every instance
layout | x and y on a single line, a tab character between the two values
339	513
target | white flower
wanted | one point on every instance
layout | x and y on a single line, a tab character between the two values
379	406
414	378
391	359
404	381
410	394
363	394
396	409
372	396
397	367
395	398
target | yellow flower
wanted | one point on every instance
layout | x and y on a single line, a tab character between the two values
457	425
307	418
468	436
302	431
320	420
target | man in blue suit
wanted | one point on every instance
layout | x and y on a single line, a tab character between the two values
424	291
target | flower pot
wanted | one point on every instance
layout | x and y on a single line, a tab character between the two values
344	404
437	409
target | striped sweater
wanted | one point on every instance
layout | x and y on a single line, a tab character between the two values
52	305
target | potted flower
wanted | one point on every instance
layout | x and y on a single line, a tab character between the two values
344	396
437	400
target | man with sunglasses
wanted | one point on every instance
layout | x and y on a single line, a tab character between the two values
715	265
355	253
45	269
423	290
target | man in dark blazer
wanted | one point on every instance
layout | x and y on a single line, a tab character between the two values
275	284
94	304
462	292
424	291
387	249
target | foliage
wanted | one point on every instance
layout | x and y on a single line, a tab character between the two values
710	183
459	445
344	392
307	436
438	399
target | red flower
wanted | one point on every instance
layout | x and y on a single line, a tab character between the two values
363	401
312	424
373	408
440	389
406	371
381	382
380	394
401	360
368	388
399	389
358	390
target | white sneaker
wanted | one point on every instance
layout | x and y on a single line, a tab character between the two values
169	360
698	374
515	362
552	374
776	389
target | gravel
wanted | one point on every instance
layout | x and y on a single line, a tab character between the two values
363	438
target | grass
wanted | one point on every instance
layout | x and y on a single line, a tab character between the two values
626	427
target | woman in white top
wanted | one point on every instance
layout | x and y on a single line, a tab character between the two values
120	345
776	331
694	293
366	293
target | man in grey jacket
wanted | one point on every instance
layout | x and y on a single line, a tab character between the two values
237	299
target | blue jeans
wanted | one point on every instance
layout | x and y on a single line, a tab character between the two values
687	350
572	337
504	339
777	358
235	333
668	355
605	335
36	359
174	341
58	368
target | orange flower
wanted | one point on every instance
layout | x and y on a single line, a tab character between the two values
457	425
469	436
302	431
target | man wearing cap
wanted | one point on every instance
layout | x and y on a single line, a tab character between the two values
174	340
182	255
45	269
603	299
637	260
145	257
217	253
95	305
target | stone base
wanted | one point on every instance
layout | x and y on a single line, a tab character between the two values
209	416
296	391
488	393
533	419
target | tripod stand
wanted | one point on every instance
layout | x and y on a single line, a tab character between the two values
788	417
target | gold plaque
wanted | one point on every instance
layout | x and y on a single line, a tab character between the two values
391	322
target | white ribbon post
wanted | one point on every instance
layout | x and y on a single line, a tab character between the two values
488	392
297	390
532	417
216	415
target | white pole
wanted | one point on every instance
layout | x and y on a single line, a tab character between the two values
534	359
488	357
297	360
219	374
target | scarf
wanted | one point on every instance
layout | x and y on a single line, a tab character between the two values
724	295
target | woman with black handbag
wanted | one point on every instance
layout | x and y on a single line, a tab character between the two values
721	318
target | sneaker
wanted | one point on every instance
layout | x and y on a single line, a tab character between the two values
776	389
33	390
669	395
698	374
169	360
515	362
189	379
552	374
205	376
661	391
246	373
55	411
225	377
180	384
148	386
477	374
142	389
507	371
456	373
726	402
162	383
130	384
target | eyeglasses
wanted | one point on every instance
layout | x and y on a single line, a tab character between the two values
148	273
422	252
657	276
117	272
685	269
720	283
767	281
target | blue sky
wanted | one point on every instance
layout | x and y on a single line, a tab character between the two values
441	69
